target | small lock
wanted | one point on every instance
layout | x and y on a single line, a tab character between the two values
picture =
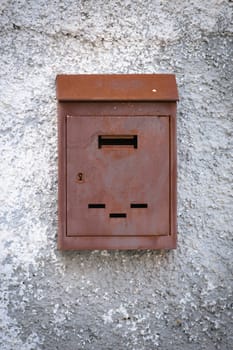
80	177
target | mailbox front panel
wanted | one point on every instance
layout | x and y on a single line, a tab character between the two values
118	175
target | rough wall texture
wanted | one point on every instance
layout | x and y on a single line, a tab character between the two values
123	299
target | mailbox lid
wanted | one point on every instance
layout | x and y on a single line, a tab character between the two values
116	87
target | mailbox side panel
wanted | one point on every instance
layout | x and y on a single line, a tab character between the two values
173	174
61	178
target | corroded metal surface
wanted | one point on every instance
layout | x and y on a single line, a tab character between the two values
118	175
117	87
117	161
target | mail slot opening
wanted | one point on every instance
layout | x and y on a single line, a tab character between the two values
96	205
118	140
138	205
117	215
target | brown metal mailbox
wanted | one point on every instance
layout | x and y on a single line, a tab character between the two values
117	161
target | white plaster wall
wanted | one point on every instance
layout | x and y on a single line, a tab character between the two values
115	300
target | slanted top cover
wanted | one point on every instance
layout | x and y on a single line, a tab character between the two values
117	87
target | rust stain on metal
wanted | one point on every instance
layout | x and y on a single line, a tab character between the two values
118	87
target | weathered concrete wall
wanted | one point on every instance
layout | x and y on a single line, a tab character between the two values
115	300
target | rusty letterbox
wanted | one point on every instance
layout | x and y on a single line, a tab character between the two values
117	161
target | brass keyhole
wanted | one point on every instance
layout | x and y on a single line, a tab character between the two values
80	177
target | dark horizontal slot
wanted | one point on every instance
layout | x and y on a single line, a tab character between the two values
138	205
118	140
117	215
96	205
